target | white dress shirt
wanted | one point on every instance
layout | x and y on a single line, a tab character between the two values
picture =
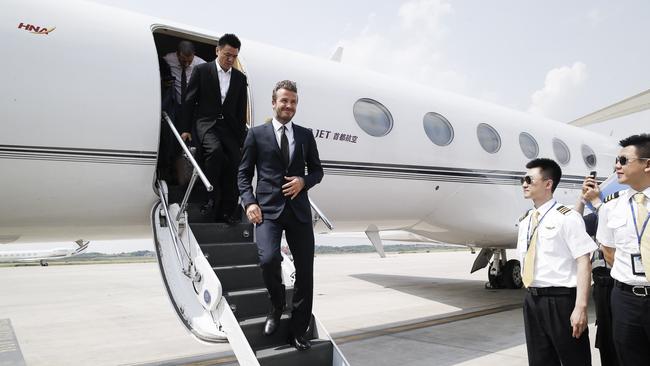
224	80
277	127
561	239
177	70
616	230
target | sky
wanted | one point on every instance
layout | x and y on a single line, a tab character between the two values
558	59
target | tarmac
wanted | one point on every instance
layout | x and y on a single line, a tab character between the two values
405	309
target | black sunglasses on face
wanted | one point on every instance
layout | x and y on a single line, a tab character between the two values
623	160
528	179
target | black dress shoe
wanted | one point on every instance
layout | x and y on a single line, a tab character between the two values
301	343
272	322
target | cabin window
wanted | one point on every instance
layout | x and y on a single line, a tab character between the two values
488	137
373	117
528	145
561	151
589	156
438	129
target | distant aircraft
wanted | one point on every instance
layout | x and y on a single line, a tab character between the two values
43	255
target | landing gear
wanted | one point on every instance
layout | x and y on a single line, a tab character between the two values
44	263
504	273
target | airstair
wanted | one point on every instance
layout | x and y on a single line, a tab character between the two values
213	279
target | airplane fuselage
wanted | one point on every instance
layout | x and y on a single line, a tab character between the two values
81	115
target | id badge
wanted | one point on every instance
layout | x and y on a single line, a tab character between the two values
637	265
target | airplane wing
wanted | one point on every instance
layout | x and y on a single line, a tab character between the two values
634	104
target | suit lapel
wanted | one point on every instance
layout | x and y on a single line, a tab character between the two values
270	135
231	87
215	77
298	141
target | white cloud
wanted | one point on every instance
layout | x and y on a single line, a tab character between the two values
562	87
411	48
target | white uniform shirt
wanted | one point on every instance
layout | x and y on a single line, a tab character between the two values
616	230
561	238
278	135
177	70
224	80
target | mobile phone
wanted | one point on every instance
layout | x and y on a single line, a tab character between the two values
593	174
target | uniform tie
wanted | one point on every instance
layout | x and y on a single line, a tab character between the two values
641	216
529	260
183	84
284	146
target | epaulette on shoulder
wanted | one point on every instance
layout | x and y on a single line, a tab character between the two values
524	215
563	209
612	196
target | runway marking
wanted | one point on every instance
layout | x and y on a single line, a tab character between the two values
363	335
445	319
10	354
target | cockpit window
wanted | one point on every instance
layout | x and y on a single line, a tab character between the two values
373	117
438	129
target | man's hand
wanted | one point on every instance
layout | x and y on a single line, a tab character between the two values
186	136
590	189
579	320
254	213
293	187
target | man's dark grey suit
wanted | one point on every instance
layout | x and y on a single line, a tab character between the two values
261	152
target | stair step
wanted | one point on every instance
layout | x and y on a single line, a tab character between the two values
253	303
254	331
320	354
242	277
212	233
222	254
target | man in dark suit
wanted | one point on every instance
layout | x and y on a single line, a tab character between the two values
280	150
215	105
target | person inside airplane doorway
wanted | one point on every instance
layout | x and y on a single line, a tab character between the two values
217	92
624	235
555	253
279	151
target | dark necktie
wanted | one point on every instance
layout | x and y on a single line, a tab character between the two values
183	84
284	146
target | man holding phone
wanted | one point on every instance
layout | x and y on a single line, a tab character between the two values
624	235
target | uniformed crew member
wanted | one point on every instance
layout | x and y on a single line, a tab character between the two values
555	251
625	239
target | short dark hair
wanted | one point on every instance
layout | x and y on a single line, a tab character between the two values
185	48
230	40
284	84
641	142
548	168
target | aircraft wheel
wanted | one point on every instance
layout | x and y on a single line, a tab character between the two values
494	281
512	274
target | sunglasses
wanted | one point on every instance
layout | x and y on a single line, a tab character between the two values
527	179
623	160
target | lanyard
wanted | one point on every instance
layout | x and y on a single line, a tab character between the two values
636	227
529	235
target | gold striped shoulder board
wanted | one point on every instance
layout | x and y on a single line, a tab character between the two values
612	196
524	215
563	209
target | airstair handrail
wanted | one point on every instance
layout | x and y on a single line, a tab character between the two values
189	156
171	225
321	215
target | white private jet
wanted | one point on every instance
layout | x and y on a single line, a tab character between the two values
43	256
81	119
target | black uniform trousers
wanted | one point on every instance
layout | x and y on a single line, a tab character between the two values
222	155
602	293
549	333
631	323
300	237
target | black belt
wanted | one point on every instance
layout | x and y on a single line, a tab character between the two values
551	291
639	290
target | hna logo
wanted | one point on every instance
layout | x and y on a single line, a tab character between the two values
35	29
